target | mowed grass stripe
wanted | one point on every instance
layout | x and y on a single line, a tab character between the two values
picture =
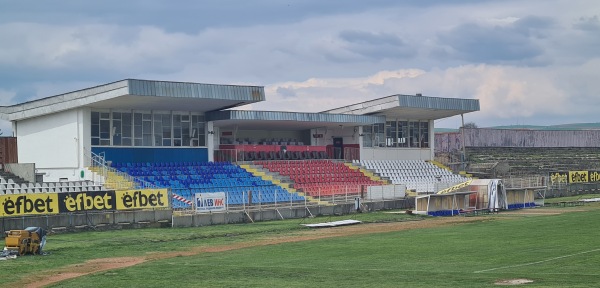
436	257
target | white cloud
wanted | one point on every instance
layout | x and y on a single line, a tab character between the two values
311	63
505	93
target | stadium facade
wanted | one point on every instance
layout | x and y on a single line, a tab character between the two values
157	121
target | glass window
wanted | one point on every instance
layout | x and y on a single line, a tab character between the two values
413	134
127	127
157	130
390	133
379	135
95	128
104	131
137	128
424	134
147	129
176	130
166	130
367	137
402	133
116	129
185	130
197	136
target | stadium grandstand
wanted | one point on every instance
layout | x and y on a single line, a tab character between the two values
187	138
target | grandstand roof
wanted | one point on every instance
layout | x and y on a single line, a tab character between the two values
141	95
414	107
288	120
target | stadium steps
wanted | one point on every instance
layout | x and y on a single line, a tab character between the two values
267	175
465	174
16	179
530	161
455	188
440	165
368	173
114	181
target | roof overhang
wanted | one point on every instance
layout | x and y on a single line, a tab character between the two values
141	95
446	195
279	121
411	107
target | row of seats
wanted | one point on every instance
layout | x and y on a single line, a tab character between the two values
282	155
119	165
8	186
327	178
8	182
50	190
320	177
207	182
264	141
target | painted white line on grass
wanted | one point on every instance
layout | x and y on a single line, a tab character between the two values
537	262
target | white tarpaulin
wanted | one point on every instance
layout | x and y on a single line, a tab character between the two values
332	224
209	202
491	193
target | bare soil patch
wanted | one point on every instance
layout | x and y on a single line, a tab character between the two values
43	278
74	271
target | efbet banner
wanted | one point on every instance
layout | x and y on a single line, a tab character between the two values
571	177
86	201
578	176
54	203
208	202
29	204
142	199
559	177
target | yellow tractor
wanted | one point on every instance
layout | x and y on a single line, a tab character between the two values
28	241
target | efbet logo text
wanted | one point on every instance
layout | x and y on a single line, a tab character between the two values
29	205
143	199
84	202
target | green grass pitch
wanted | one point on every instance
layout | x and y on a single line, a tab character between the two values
552	250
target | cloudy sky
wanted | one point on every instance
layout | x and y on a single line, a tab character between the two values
529	62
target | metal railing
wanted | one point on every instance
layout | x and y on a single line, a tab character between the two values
525	182
241	155
111	177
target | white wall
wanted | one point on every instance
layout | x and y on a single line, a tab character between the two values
84	131
211	140
349	135
53	143
395	154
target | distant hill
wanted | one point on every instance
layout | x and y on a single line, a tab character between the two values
572	126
